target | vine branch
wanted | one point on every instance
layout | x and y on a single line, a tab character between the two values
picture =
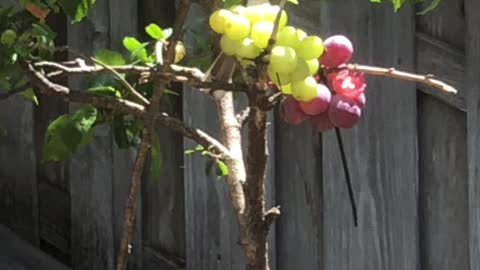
427	79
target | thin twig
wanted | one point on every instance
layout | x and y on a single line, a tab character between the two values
124	82
348	180
407	76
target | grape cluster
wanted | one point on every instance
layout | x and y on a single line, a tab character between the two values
309	71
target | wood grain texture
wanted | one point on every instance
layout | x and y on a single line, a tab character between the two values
123	18
91	170
18	254
381	150
446	22
443	186
18	180
446	63
163	197
300	239
472	52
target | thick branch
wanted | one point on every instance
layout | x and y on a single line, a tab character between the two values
402	75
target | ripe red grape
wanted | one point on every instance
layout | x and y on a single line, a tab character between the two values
344	112
322	122
338	51
348	83
291	112
318	104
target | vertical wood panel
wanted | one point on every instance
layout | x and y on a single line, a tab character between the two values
18	182
91	170
299	177
473	127
443	186
381	150
163	197
123	22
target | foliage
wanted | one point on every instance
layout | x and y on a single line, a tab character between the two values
397	4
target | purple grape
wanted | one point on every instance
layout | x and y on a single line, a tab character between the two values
344	112
322	122
338	51
291	112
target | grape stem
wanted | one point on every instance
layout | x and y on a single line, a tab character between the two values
427	79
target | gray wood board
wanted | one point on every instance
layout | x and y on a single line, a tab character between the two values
473	128
300	240
443	186
381	150
91	170
18	254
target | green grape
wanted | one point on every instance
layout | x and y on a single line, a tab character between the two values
274	76
229	46
237	27
247	49
310	47
218	19
261	33
302	70
313	65
283	59
254	14
8	37
271	15
286	89
304	90
287	36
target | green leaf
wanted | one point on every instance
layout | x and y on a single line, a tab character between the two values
109	57
30	95
76	9
294	2
105	91
222	168
131	44
68	133
126	131
189	151
156	155
154	31
199	147
231	3
430	7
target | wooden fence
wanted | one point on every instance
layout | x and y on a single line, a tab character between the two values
414	159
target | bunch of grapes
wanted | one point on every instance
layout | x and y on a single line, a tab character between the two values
340	95
310	72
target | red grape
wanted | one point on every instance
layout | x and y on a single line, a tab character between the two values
321	122
291	112
348	83
344	112
318	104
338	51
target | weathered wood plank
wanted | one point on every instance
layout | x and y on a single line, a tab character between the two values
153	260
91	170
381	150
446	63
300	239
446	22
473	127
18	180
443	186
123	16
163	197
17	254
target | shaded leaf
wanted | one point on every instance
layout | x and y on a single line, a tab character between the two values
105	91
30	95
209	167
109	57
222	168
76	9
69	132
